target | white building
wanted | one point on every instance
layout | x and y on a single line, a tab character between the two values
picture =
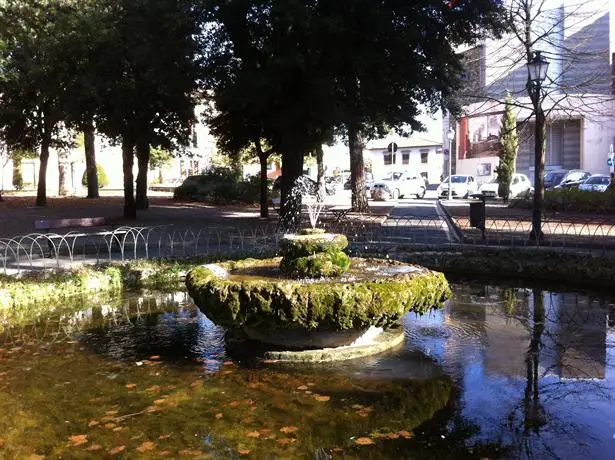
579	43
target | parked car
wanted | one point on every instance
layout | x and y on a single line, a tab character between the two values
595	183
398	185
369	181
462	185
553	178
573	179
519	186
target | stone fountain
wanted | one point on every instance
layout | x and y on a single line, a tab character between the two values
315	297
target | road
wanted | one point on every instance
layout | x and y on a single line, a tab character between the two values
417	221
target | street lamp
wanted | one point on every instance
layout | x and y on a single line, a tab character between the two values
537	72
450	135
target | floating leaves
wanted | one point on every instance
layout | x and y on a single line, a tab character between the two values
130	386
286	441
288	429
2	443
146	446
405	434
364	441
117	450
154	389
244	451
321	398
253	434
219	415
302	388
93	423
94	447
78	439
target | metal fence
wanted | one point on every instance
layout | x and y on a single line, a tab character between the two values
51	250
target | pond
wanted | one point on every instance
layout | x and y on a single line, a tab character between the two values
501	372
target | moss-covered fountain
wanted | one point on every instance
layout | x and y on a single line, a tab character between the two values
315	297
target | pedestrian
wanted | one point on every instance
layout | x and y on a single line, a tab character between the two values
611	186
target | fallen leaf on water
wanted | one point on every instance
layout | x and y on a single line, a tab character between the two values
130	386
322	398
111	412
164	436
118	428
269	361
265	430
94	447
158	402
227	372
228	363
196	384
405	434
286	441
288	429
117	450
310	384
392	436
154	357
234	404
78	439
244	451
2	443
362	413
36	457
337	449
357	406
146	446
93	423
110	426
219	415
191	452
154	389
253	434
364	441
302	387
165	453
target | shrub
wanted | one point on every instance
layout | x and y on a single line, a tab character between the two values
574	200
103	181
219	185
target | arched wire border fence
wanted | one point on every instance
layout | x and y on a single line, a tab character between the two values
37	251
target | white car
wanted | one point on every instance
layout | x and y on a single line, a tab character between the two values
462	186
519	186
398	185
596	183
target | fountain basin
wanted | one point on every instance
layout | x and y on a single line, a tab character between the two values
255	295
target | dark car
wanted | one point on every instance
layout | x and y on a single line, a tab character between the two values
573	179
369	181
553	178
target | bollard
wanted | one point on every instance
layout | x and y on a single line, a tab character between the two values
477	215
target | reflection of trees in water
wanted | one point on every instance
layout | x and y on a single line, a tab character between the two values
113	311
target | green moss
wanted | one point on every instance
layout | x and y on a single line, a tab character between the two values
311	231
324	264
333	305
306	245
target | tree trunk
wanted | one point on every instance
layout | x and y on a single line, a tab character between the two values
143	154
290	206
357	173
264	192
63	155
90	160
320	165
128	144
41	192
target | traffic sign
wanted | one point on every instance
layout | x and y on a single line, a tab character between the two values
609	162
392	147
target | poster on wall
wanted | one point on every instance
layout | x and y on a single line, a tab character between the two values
479	136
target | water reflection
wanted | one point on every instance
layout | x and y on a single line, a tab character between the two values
500	372
536	367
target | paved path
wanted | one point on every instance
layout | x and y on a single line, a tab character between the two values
417	221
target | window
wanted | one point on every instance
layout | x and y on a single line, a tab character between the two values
388	158
405	157
424	155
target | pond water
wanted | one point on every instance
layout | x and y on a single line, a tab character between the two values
499	373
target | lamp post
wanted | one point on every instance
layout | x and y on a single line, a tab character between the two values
450	135
537	72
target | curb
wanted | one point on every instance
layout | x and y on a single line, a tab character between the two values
455	231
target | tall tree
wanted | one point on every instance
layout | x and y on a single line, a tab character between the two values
149	100
509	147
32	88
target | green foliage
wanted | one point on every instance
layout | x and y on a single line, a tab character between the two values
103	180
288	303
320	265
159	157
574	200
509	147
220	186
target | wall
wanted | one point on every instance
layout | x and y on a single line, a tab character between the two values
597	137
432	169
